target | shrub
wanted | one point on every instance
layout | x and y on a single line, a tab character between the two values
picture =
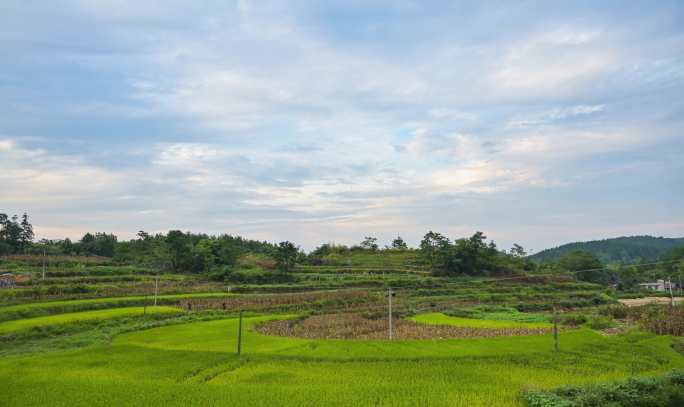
462	313
663	391
599	322
614	311
663	319
258	277
572	319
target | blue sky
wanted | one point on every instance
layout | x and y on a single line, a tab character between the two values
536	122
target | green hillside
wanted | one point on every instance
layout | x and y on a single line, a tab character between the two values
620	249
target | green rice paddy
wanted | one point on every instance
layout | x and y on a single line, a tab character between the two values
195	365
28	323
56	307
437	318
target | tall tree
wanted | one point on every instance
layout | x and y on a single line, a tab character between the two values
286	255
399	244
370	243
518	251
13	232
26	234
180	249
585	265
432	245
5	247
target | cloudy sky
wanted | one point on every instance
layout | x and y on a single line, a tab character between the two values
535	122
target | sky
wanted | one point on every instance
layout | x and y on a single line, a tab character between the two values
537	123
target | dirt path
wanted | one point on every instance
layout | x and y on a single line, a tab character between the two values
636	302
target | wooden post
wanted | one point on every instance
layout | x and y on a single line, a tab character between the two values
555	331
239	344
44	255
156	289
389	295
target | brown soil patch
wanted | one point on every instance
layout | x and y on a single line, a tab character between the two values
637	302
353	326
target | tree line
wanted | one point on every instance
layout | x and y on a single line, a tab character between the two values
186	252
16	234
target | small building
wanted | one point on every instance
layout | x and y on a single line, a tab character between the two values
659	285
7	280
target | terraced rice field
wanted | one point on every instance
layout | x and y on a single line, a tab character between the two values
425	326
195	365
29	323
437	318
57	307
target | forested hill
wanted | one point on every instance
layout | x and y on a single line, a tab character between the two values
620	249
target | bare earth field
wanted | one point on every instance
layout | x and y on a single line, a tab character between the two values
637	302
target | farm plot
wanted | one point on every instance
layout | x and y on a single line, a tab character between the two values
42	308
195	365
353	326
437	318
291	301
29	323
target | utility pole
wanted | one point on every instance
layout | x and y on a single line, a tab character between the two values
669	283
44	256
239	344
555	331
389	295
156	288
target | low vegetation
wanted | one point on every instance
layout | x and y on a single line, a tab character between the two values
427	326
39	322
166	364
661	391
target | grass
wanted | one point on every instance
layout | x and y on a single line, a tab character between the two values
93	352
665	390
195	364
35	309
498	313
29	323
437	318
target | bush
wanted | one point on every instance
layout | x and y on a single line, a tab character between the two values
663	391
599	322
663	319
572	319
258	277
462	313
527	307
614	311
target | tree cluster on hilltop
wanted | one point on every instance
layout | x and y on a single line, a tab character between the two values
222	257
16	235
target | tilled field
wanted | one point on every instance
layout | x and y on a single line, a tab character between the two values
353	326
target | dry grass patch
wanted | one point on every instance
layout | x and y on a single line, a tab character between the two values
353	326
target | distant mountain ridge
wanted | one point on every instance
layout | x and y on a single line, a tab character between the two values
625	249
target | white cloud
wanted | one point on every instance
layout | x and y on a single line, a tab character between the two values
277	119
552	62
552	115
35	177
